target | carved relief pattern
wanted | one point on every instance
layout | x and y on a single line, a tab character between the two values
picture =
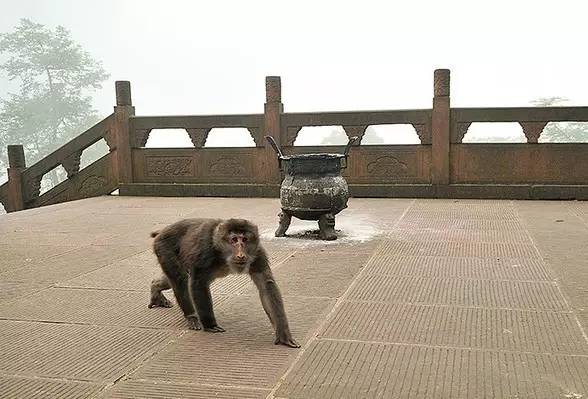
291	134
140	137
423	131
358	131
198	136
256	135
169	166
533	130
273	89
33	187
71	164
461	129
92	186
441	83
387	166
227	167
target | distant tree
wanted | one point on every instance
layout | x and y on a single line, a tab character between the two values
53	103
561	131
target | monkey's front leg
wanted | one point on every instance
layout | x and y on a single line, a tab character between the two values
203	301
272	303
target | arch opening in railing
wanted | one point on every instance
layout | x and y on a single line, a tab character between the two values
396	134
494	132
168	138
321	135
565	132
52	178
93	153
229	137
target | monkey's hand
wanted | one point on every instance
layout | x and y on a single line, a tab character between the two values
287	340
214	329
193	323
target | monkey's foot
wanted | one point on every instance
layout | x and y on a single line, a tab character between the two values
160	301
193	323
287	341
214	329
285	220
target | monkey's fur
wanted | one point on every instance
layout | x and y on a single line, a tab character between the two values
194	252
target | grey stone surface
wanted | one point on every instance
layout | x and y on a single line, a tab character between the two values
417	298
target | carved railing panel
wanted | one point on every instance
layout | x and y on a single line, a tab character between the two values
67	155
94	180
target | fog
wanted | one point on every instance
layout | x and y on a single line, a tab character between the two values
195	57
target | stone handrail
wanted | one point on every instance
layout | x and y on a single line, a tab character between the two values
197	126
532	119
355	123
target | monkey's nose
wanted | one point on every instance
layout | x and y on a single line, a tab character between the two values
241	258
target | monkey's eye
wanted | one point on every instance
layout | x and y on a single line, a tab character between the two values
234	239
244	239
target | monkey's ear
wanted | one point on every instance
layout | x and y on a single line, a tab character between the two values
220	233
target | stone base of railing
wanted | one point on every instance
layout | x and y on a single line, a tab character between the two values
463	191
199	190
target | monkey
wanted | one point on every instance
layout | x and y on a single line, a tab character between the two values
194	252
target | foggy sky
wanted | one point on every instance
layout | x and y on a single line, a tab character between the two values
210	57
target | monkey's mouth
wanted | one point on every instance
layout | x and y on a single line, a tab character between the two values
240	262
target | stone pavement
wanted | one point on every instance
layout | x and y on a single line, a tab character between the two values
418	298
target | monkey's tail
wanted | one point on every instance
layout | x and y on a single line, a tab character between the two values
154	234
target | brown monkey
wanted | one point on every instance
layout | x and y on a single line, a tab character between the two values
194	252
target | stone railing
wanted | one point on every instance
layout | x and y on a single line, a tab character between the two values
440	166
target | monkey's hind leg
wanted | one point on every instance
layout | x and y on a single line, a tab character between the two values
285	220
179	283
157	297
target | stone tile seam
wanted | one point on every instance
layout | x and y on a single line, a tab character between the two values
74	323
561	292
4	374
138	363
201	384
442	305
55	284
473	349
575	214
545	282
333	310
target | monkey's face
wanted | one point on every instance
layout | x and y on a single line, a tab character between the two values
243	247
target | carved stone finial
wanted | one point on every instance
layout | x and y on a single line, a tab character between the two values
533	130
16	157
273	89
123	92
441	82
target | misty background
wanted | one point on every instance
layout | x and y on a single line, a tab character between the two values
192	57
